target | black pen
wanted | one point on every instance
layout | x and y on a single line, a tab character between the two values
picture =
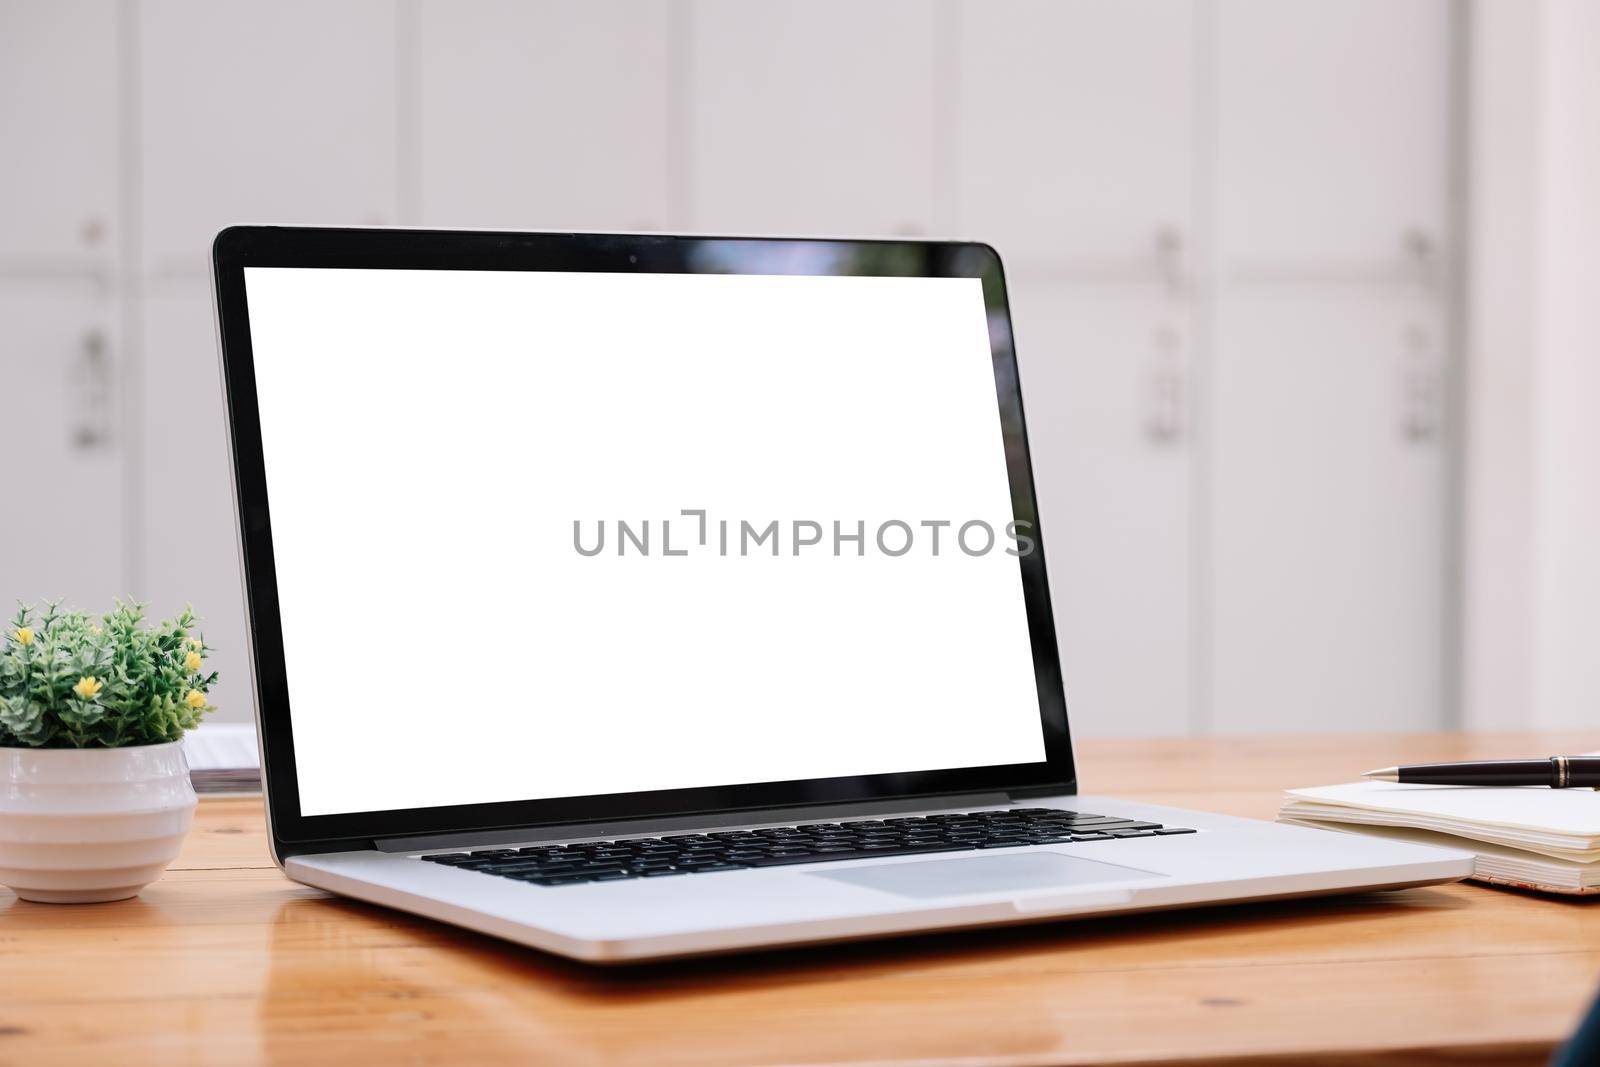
1557	772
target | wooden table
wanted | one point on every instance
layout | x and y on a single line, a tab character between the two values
225	961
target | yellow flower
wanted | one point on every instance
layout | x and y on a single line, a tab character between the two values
24	635
192	661
195	642
88	687
195	699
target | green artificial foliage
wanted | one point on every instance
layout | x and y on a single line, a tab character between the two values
68	680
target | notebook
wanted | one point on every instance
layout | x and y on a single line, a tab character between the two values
1534	838
223	758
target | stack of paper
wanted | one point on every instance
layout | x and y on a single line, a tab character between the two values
1535	837
223	758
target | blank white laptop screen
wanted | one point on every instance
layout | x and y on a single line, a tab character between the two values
445	450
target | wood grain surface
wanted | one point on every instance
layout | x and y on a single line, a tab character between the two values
225	961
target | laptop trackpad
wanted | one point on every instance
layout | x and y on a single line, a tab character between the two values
985	874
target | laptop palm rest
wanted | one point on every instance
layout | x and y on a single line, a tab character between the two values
1025	872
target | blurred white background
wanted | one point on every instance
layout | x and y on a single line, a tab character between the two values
1303	290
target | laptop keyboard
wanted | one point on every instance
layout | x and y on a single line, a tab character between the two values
823	842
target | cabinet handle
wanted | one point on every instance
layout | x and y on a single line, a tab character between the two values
1421	257
91	428
1164	407
1165	400
1419	387
1169	259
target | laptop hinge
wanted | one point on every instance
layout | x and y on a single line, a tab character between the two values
764	816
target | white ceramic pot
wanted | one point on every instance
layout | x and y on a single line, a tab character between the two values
79	825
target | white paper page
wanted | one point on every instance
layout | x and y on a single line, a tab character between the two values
223	746
1570	812
1493	860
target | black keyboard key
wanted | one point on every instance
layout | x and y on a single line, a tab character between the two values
1092	837
658	872
1004	843
1132	833
522	867
1166	830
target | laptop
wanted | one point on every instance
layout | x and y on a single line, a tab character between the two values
638	596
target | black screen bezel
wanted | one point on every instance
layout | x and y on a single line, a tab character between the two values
270	246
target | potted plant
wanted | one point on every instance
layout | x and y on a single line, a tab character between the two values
94	789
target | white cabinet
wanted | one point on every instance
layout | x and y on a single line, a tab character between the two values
1327	480
1332	132
1101	387
255	113
812	117
1072	127
186	492
59	135
64	529
61	358
1327	562
262	113
1073	132
552	114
